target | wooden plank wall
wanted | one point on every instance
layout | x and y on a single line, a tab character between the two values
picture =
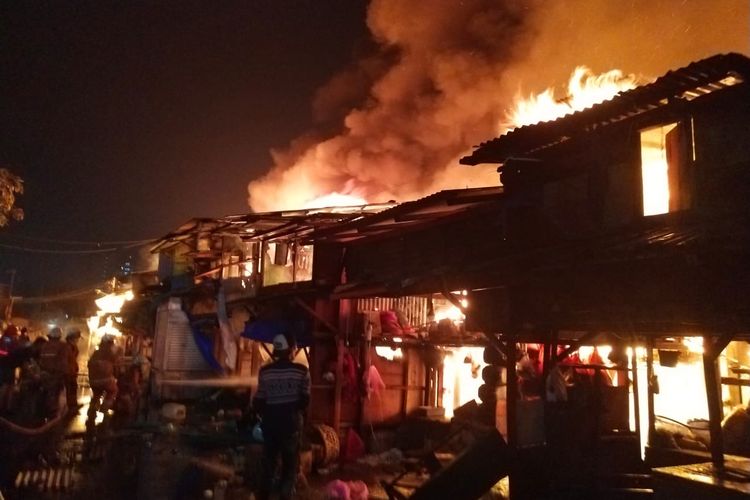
451	244
404	379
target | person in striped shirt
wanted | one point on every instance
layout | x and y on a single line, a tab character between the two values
280	401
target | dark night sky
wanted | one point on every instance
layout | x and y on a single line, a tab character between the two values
127	118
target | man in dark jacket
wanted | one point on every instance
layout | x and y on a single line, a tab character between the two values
282	397
8	346
71	374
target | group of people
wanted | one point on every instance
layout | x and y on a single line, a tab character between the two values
48	367
40	372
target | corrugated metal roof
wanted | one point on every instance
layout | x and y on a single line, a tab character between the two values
688	83
267	225
411	214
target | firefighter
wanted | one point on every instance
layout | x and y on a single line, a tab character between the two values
32	399
282	397
103	366
53	360
71	374
8	345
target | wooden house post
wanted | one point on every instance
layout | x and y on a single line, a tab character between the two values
511	415
344	318
636	394
713	397
650	389
511	392
338	387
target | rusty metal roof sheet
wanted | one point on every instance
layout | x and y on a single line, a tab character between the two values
411	214
267	225
688	83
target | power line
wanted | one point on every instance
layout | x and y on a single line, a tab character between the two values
41	299
53	297
80	242
76	251
53	251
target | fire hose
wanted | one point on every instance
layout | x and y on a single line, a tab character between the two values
32	431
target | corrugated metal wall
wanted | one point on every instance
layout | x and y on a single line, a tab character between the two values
175	349
414	308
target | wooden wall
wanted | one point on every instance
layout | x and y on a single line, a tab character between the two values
404	379
452	244
405	388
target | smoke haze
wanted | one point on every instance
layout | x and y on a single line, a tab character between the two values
445	73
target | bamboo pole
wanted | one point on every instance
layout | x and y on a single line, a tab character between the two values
650	389
339	383
636	395
713	397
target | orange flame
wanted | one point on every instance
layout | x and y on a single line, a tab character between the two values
584	90
335	200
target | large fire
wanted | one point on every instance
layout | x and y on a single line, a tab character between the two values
104	322
585	89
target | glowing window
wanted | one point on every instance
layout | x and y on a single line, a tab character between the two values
663	158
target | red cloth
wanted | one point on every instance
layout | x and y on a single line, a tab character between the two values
350	387
389	323
350	391
354	447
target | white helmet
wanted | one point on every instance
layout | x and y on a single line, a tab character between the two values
55	332
280	343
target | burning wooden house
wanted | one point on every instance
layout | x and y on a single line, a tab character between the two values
585	302
402	298
344	271
225	273
377	294
628	223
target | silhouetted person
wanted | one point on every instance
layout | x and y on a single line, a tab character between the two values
282	397
8	345
71	373
53	360
102	377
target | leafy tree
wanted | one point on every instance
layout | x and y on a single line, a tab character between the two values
10	186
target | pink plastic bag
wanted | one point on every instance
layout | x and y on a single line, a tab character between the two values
373	381
337	490
358	490
351	490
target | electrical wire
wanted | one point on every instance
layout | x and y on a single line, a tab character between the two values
43	299
69	294
81	251
80	242
53	251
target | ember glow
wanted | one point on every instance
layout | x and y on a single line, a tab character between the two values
585	89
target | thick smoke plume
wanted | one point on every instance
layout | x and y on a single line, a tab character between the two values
447	71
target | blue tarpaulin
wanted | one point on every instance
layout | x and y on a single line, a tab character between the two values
205	344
